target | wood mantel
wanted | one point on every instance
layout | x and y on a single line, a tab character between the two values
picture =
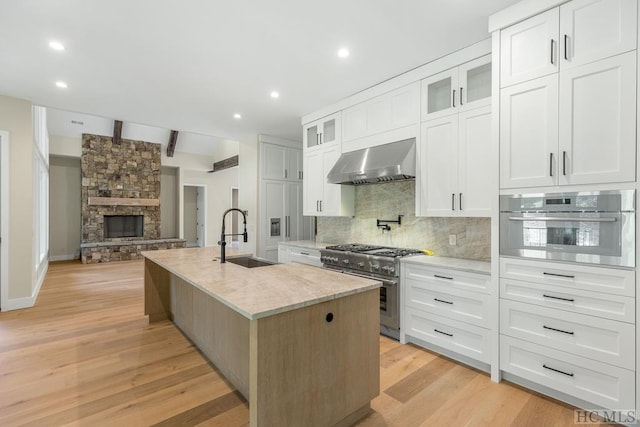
122	201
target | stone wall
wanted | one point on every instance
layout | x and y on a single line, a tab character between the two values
387	201
130	169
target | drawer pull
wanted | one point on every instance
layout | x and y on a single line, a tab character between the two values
441	300
560	298
443	333
559	275
443	277
558	371
304	253
557	330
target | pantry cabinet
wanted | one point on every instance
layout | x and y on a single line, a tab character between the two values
281	162
459	89
454	155
573	34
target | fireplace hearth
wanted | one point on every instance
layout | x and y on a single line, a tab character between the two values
118	226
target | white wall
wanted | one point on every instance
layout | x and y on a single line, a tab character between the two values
64	146
16	118
65	208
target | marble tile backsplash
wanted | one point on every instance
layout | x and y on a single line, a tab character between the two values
387	201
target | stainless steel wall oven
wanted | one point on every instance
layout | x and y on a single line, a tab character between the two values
589	227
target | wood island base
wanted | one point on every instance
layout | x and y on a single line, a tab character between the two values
315	366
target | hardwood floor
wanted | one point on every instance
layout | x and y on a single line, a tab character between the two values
86	355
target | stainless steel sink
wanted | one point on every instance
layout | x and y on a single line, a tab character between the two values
250	262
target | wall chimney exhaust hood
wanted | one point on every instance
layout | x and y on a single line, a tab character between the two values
383	163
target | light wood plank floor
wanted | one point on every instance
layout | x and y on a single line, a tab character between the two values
86	355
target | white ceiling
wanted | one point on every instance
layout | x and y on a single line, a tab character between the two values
190	65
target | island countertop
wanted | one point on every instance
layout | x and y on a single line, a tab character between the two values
257	292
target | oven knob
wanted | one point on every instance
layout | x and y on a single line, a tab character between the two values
375	267
392	269
345	261
385	268
361	265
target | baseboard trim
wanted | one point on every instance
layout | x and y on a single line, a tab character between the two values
26	302
68	257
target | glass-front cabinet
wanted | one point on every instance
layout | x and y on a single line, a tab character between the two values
459	89
323	131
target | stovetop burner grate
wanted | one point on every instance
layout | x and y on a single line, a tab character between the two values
353	247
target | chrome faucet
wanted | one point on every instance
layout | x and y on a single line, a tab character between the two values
222	241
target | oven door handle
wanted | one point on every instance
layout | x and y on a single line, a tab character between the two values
385	281
560	218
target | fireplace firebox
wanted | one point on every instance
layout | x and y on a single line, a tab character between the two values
117	226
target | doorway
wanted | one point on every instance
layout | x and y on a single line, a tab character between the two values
194	214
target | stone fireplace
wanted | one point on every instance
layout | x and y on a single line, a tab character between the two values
120	199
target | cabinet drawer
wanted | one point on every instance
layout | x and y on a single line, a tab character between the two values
586	379
305	256
600	339
447	278
471	307
608	306
468	340
599	279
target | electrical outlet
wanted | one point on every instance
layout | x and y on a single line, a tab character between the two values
452	239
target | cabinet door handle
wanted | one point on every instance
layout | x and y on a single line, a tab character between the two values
453	201
304	253
550	164
317	205
443	333
317	139
321	142
441	300
453	99
285	174
566	54
460	96
460	201
564	163
286	226
443	277
560	298
557	330
320	205
558	371
553	42
568	276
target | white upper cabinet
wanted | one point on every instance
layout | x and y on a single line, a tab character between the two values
595	29
280	162
319	197
598	121
529	49
382	119
529	133
325	131
454	161
458	89
576	33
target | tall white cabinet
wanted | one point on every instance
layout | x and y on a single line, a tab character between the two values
567	122
568	96
280	197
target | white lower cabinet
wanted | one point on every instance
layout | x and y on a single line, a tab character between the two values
447	308
570	328
586	379
296	254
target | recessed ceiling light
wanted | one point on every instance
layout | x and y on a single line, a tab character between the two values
237	116
275	94
61	85
56	45
343	52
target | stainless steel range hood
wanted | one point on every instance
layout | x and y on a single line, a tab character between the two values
383	163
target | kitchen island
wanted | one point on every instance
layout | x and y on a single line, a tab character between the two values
300	343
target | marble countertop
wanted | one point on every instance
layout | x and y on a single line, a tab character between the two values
257	292
470	265
306	244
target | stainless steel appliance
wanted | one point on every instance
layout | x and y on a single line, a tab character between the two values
590	227
373	262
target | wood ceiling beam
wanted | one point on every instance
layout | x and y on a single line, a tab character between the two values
173	139
117	131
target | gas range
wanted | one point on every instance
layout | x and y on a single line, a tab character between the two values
367	259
